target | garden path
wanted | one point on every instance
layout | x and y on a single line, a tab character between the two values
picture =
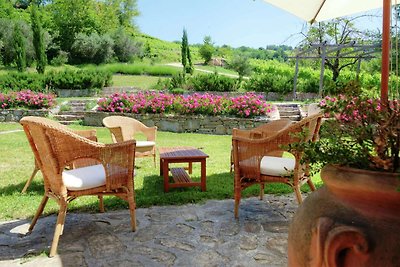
189	235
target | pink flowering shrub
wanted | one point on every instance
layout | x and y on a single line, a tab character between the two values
361	133
26	99
249	105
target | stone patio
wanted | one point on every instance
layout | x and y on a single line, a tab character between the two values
198	235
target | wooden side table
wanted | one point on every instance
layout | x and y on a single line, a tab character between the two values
180	176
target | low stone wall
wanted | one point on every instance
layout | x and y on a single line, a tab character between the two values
75	92
15	115
177	123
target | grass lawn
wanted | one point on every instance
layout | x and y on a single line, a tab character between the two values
220	70
140	81
16	164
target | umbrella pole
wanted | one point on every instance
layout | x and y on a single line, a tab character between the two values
385	51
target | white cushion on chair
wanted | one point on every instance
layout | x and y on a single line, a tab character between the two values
145	143
277	166
84	178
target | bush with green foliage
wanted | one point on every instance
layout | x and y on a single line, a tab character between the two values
93	48
76	80
213	82
178	80
67	79
16	81
60	59
241	65
125	47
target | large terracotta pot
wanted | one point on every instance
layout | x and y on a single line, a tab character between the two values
354	220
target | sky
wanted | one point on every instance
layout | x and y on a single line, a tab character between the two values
251	23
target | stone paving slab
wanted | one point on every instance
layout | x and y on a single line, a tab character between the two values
189	235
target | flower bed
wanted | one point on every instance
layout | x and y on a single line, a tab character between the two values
246	106
26	99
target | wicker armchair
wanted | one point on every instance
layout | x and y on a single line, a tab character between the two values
259	160
124	128
56	148
89	134
263	130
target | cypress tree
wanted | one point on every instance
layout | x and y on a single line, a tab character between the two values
186	57
38	42
184	49
19	44
189	67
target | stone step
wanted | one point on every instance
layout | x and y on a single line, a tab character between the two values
68	117
74	113
290	111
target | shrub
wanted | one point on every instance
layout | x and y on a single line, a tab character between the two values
60	59
67	79
15	81
269	82
92	48
81	79
26	99
125	48
213	82
249	105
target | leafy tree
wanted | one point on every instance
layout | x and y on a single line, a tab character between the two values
207	50
337	32
38	40
125	47
241	65
72	17
127	11
19	43
185	54
92	48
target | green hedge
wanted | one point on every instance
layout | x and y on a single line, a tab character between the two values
67	79
214	82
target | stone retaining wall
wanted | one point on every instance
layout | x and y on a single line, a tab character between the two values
15	115
177	123
76	93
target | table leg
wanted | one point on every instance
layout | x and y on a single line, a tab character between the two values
190	167
165	175
203	175
161	167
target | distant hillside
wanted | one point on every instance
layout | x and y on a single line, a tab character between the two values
171	51
166	51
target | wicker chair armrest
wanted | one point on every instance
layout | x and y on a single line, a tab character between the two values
90	134
116	133
150	132
118	160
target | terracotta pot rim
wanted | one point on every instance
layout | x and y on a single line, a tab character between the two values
357	170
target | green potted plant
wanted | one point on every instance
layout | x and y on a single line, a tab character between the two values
360	133
354	219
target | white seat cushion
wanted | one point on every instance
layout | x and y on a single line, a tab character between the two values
277	166
84	178
145	143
